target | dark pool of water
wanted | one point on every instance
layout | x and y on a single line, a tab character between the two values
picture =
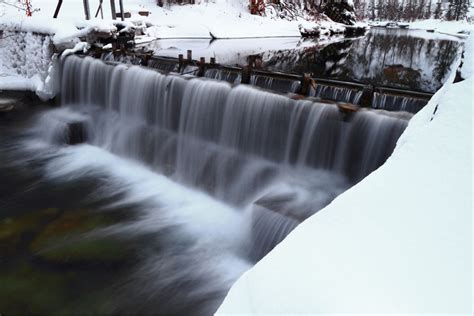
74	244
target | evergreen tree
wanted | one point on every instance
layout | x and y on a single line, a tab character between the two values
372	10
438	13
428	10
457	9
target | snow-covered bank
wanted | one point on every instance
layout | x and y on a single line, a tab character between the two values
459	29
398	242
62	31
26	63
455	28
216	19
27	49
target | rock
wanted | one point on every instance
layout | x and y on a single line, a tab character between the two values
347	110
27	291
313	31
7	104
76	133
15	231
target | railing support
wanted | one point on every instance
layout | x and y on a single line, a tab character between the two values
112	9
87	11
122	13
58	7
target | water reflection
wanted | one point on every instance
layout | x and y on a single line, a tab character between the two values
414	60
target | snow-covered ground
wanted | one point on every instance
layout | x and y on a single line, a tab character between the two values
456	28
453	28
399	242
214	19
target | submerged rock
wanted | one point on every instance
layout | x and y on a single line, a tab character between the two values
16	231
65	240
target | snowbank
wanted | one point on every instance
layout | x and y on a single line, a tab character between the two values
218	19
456	28
213	19
467	70
398	242
26	49
459	29
60	30
26	63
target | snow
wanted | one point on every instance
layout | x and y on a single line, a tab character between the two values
11	82
400	241
61	30
216	19
26	63
468	63
81	46
456	28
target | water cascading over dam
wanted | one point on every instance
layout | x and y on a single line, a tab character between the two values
282	83
277	159
398	103
207	177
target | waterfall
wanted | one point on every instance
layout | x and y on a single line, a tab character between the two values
336	93
397	103
223	74
249	148
283	85
121	58
165	67
274	83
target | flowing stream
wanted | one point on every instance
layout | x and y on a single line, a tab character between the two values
145	193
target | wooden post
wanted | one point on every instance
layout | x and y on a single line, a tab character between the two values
180	62
202	67
112	8
87	11
213	60
190	55
122	13
305	84
99	9
58	7
246	75
367	96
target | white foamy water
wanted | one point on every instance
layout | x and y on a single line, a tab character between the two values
220	175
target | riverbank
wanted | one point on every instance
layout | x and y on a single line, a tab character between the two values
218	19
460	29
